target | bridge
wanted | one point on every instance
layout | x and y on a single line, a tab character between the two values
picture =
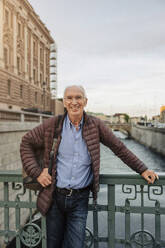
122	127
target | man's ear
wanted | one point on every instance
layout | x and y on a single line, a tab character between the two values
86	100
64	103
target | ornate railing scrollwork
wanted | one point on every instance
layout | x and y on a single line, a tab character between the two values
130	189
88	238
142	239
154	190
31	235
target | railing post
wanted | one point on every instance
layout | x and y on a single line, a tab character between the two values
95	224
111	216
43	228
22	117
40	118
6	211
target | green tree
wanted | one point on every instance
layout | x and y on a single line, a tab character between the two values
126	117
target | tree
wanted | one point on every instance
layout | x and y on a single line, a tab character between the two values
126	117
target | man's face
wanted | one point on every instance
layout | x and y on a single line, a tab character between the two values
74	102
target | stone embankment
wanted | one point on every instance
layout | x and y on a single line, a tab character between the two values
12	127
154	138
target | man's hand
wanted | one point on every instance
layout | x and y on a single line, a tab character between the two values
44	178
149	176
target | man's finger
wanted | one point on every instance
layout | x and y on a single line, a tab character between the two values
49	177
148	180
157	177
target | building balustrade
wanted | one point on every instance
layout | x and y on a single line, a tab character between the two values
129	213
21	116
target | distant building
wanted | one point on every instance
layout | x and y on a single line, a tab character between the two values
135	119
118	118
24	57
156	118
57	106
162	114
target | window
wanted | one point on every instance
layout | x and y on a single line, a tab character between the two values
41	54
34	74
42	99
9	87
19	30
47	101
41	78
21	91
34	48
18	65
6	56
7	17
35	97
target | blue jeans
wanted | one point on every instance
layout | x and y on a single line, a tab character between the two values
66	220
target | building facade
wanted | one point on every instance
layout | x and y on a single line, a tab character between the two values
162	114
24	58
118	118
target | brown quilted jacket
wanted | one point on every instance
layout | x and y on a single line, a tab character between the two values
94	132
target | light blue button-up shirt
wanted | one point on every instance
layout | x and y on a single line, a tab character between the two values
73	159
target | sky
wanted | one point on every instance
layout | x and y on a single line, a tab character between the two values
114	48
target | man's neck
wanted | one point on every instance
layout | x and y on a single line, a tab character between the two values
75	120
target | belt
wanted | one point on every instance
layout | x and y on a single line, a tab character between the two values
69	192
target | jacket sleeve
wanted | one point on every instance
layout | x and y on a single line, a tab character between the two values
31	141
110	140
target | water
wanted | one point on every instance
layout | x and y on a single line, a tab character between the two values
112	164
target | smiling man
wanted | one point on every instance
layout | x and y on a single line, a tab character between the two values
65	193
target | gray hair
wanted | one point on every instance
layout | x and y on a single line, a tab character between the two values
80	87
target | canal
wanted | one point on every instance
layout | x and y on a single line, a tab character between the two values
111	164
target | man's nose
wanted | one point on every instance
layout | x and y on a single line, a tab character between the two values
74	101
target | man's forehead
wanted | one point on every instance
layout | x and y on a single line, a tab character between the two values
73	90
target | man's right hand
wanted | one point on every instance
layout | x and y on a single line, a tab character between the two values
44	178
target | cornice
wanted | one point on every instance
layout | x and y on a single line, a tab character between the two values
32	15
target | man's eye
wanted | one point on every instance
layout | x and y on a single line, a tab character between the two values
78	97
69	98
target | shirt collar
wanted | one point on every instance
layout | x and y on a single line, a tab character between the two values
69	123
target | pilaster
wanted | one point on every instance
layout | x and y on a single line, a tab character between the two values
32	57
25	52
15	41
44	52
1	34
39	61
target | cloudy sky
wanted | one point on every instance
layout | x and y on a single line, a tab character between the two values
114	48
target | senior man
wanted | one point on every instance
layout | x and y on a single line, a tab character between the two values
64	194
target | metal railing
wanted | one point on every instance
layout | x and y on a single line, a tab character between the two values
129	213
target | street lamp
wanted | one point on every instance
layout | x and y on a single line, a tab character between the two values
44	91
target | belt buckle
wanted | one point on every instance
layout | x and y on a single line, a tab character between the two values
70	193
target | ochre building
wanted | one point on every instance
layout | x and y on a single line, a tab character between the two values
24	57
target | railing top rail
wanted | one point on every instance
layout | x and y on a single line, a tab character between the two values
129	178
113	178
